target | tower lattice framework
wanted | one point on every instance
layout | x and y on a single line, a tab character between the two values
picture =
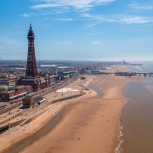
31	68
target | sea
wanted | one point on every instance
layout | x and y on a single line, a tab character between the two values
136	123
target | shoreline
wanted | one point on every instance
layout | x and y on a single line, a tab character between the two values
120	129
136	113
117	141
108	88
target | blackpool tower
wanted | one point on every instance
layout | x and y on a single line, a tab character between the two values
31	69
32	77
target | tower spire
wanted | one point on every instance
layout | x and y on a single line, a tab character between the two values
30	28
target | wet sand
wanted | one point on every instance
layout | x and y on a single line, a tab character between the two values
138	118
89	126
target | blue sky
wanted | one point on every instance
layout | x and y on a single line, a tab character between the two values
78	29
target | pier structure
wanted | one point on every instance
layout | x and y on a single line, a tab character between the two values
145	74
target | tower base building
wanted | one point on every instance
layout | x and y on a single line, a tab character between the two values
36	83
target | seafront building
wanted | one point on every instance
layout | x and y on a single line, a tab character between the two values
8	93
7	81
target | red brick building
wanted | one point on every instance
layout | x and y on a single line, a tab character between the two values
15	92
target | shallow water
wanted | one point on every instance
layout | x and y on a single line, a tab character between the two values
96	88
137	118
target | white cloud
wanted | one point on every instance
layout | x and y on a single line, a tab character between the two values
136	20
25	15
61	19
125	19
99	17
76	4
41	6
138	7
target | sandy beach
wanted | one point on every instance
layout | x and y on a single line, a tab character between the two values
90	124
14	135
